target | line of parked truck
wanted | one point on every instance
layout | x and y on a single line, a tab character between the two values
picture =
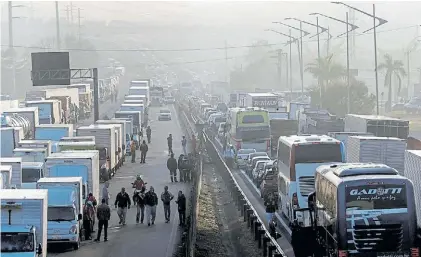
49	170
356	190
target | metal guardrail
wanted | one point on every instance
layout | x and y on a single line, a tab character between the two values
265	242
189	235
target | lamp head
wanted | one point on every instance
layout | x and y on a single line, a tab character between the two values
336	2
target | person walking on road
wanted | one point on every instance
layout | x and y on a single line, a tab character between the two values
139	198
148	134
123	203
184	144
133	150
169	142
105	193
166	198
151	201
103	214
172	167
143	150
87	220
181	202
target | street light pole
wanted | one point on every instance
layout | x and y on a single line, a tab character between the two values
290	63
302	61
381	22
318	62
375	60
348	107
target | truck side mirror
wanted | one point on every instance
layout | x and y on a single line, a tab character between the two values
39	249
79	217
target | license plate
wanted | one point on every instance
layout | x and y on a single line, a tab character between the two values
56	237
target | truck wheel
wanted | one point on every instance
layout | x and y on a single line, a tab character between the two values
76	246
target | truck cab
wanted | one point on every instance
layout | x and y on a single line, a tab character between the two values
31	173
21	240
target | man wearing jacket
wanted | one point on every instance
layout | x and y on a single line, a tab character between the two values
181	202
123	202
166	198
151	201
172	167
103	213
139	199
143	150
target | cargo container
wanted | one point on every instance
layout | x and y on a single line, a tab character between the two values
7	136
64	210
136	116
267	101
293	107
24	222
53	132
124	140
76	164
30	113
78	139
84	145
49	110
16	175
384	150
31	154
379	126
105	143
412	172
6	176
36	144
343	137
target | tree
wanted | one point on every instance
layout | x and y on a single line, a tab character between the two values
335	98
392	68
326	70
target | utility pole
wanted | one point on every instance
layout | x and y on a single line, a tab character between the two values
347	66
290	64
58	27
302	61
226	61
79	24
71	12
11	49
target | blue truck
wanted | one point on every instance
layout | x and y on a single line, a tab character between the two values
64	210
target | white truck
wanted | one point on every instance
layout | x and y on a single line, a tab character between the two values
36	144
384	150
31	113
83	164
65	205
53	132
267	101
380	126
16	175
412	172
6	176
24	222
106	143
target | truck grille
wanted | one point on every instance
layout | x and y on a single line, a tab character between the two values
378	238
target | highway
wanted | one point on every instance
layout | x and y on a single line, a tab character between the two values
134	239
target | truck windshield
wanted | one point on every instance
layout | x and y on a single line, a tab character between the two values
61	213
30	175
318	153
374	197
17	242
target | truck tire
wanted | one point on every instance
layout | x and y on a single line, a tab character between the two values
76	246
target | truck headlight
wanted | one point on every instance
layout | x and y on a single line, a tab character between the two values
73	230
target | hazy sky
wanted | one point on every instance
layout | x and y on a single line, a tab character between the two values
221	12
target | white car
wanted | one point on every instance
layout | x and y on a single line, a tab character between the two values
260	164
242	156
164	114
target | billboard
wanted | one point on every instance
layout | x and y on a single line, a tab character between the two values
50	68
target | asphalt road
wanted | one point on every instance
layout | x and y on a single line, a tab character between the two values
139	239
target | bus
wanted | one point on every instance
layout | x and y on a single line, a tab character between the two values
249	128
298	157
364	209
